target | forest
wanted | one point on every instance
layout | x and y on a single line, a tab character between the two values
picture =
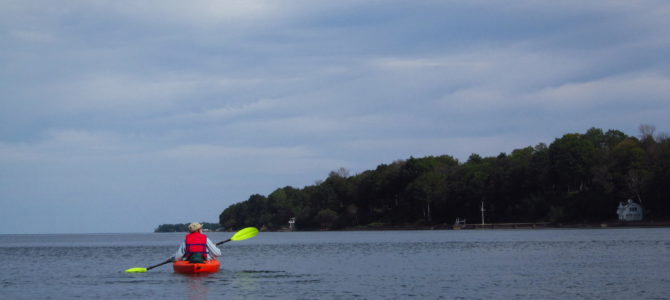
183	227
577	178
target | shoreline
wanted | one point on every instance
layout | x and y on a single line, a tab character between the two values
487	226
494	226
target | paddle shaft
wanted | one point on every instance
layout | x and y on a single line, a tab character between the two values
219	243
158	265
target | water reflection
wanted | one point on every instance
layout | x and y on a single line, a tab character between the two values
233	282
197	289
246	282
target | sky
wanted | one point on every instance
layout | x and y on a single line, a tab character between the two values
119	116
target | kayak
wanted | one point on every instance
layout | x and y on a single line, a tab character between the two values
186	267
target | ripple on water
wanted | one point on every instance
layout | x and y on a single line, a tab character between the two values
521	264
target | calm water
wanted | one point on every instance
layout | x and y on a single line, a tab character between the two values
466	264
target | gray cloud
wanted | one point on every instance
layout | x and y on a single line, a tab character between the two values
117	114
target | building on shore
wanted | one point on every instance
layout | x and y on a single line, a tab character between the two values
291	224
630	211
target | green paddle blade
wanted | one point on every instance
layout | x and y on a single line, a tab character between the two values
136	270
244	234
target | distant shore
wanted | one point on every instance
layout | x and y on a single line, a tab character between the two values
532	225
528	225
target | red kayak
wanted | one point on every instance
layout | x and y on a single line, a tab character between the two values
186	267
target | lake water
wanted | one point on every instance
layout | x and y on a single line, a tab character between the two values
454	264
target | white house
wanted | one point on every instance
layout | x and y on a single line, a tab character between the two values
630	211
291	224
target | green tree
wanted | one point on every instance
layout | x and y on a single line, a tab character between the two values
327	218
570	158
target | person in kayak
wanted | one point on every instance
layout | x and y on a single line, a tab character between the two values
197	247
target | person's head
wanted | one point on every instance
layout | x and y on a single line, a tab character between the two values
193	227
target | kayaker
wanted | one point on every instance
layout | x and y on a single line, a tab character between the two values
196	247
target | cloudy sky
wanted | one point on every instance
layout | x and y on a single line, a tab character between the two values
118	116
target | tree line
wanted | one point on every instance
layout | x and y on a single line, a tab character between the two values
577	178
183	227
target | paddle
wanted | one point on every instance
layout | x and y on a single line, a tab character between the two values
243	234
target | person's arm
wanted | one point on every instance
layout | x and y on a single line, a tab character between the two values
213	249
180	252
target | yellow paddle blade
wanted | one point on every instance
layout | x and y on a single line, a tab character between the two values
136	270
244	234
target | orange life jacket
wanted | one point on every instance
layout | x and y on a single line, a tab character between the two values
196	242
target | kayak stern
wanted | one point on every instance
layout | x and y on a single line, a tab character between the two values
186	267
